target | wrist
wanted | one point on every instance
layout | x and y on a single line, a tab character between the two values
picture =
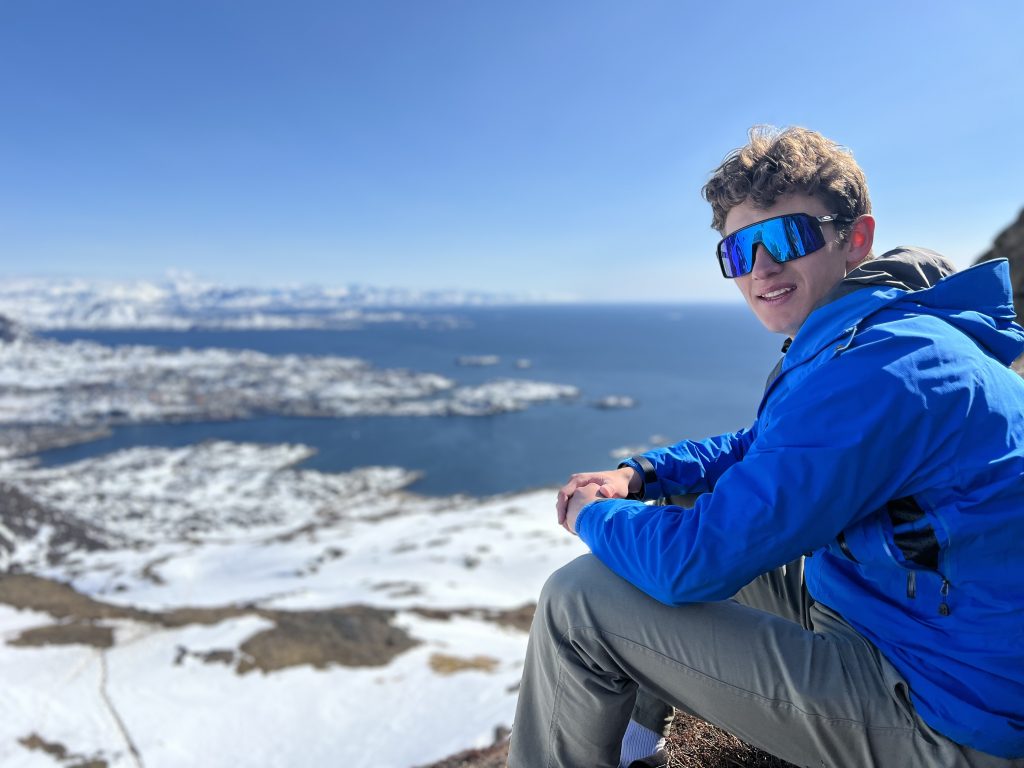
644	477
634	480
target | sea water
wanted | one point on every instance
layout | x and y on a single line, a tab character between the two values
692	371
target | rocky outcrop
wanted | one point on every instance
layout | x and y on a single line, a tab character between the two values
1009	244
27	523
9	330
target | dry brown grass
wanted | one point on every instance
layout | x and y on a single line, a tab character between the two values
354	636
514	618
74	633
691	743
443	664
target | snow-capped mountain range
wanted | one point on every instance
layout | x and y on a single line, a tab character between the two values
182	302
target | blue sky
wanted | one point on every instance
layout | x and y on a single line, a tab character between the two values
552	148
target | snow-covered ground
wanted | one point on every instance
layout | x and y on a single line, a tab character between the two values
215	604
237	528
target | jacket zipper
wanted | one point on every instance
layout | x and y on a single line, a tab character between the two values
944	592
912	584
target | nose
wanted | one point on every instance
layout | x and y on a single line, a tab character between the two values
764	265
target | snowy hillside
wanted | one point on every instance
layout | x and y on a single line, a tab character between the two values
232	610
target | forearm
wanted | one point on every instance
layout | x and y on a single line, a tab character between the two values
688	466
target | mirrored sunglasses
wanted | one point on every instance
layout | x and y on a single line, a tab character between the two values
784	237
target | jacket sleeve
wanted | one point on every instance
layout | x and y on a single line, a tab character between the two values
874	423
693	466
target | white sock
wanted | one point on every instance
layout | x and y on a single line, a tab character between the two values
638	742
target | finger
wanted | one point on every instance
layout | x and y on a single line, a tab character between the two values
561	504
572	485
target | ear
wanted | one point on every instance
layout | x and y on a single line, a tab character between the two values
860	240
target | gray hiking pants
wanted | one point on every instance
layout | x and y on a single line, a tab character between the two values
782	673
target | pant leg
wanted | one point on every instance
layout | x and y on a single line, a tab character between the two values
814	698
651	712
781	591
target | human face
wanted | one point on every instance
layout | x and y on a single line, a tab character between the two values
783	295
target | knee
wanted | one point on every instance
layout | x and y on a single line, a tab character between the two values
569	589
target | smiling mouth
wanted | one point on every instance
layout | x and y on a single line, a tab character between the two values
776	294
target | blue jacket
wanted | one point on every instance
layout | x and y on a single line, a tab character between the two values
885	394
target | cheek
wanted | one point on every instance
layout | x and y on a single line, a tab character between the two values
743	286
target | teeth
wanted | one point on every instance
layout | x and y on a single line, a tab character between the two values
775	294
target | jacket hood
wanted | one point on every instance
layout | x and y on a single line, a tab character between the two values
909	269
977	301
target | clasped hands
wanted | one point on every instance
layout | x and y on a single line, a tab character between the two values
586	487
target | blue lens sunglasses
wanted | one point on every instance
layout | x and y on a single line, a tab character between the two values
784	237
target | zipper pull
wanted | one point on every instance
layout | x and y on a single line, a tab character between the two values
944	591
912	584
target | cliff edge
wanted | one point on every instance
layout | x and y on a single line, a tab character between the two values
1009	244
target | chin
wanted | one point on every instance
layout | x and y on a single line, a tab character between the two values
776	324
785	319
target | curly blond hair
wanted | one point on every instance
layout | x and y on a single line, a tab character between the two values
776	163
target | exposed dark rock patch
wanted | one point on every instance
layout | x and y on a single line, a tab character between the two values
36	743
307	531
216	656
328	555
1009	244
150	572
516	618
10	330
25	517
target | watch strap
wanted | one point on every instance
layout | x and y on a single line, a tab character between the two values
647	474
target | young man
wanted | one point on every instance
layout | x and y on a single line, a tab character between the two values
888	449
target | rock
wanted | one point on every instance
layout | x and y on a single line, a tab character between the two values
27	522
1009	244
477	361
10	330
612	402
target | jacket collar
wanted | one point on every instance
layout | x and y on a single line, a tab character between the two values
978	301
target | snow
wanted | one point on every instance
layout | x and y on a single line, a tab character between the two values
244	537
82	384
226	524
183	302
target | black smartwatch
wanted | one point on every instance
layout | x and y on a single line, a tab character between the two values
649	475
